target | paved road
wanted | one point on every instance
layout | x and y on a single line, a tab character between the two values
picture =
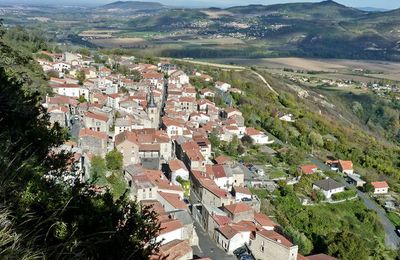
75	127
391	238
208	248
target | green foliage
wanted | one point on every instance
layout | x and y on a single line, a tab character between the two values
98	170
80	76
185	185
82	99
16	47
327	225
346	245
53	218
344	195
304	186
394	217
114	160
320	196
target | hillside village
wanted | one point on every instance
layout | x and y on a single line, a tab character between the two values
162	126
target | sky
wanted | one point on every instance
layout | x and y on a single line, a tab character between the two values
386	4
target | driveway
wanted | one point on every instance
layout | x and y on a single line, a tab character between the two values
392	240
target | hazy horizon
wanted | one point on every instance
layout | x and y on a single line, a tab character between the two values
387	4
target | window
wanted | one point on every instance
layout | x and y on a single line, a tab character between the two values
262	247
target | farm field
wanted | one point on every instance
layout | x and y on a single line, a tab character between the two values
330	68
119	42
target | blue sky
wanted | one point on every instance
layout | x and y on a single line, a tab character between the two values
387	4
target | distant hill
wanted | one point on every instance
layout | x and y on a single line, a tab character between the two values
133	5
372	9
322	10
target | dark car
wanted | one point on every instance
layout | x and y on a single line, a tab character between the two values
246	256
398	231
240	251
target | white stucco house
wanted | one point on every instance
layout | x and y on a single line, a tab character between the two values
380	187
231	237
257	136
328	187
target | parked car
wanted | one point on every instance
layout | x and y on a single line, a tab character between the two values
246	199
246	256
398	231
240	251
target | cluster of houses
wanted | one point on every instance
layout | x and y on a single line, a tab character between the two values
161	126
329	186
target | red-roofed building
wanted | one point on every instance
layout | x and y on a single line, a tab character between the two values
207	191
192	156
171	201
139	145
308	169
170	230
264	221
178	168
239	211
270	245
93	141
232	236
380	187
241	193
174	250
257	136
99	122
346	167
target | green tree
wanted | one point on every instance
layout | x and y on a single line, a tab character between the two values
316	139
114	160
348	246
82	99
98	170
80	76
55	217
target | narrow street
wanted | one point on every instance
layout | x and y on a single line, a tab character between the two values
391	238
207	247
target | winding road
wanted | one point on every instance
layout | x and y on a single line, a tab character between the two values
392	240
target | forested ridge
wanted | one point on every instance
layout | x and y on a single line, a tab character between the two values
42	216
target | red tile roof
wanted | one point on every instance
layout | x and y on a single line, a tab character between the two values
243	190
238	208
263	220
275	236
96	116
227	231
87	132
252	131
173	199
176	164
175	249
222	159
221	220
169	226
380	184
346	165
218	171
308	169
